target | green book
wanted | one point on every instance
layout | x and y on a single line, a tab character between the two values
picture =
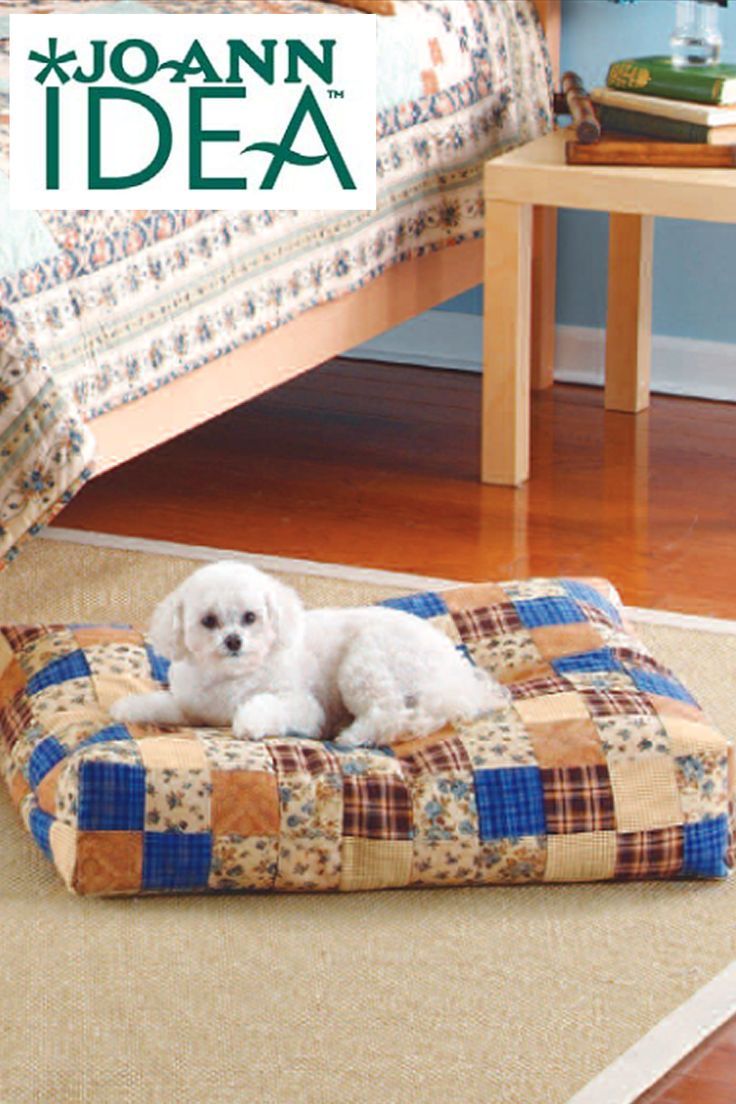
657	76
657	126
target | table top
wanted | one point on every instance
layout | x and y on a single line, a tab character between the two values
536	173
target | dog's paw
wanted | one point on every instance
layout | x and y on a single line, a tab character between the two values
127	710
257	719
244	731
353	737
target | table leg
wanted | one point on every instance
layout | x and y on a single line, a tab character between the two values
507	326
544	287
629	323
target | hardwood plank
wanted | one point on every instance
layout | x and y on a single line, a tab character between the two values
377	465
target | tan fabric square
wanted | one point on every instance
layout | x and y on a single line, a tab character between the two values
170	752
6	654
554	641
245	803
109	862
375	864
475	596
672	707
13	679
572	743
18	787
408	747
690	737
531	670
88	636
63	841
645	793
551	707
109	687
445	624
581	857
46	790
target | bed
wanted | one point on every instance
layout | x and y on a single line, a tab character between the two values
119	330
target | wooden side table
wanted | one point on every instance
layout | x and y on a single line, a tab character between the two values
536	175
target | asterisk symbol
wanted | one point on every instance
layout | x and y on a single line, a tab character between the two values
53	63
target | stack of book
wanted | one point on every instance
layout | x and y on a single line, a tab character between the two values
654	98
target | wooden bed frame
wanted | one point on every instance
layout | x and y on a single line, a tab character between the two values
317	335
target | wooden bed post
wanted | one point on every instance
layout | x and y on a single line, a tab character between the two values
544	257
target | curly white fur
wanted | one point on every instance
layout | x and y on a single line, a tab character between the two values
245	652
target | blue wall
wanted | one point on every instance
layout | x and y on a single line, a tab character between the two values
694	263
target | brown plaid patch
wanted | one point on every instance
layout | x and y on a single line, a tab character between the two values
597	616
18	636
376	807
446	758
657	853
474	624
641	660
302	758
15	718
539	687
606	702
578	799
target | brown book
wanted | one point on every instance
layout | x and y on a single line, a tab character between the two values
633	151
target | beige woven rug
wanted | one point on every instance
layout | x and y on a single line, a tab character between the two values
516	995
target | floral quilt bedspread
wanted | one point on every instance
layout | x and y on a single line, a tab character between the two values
98	308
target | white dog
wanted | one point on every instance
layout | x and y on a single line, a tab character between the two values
245	652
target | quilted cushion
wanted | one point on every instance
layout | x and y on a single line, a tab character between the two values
603	767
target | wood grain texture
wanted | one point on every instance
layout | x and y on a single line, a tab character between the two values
629	319
645	151
544	297
378	465
537	173
544	255
506	343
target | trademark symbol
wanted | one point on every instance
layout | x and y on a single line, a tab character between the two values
335	93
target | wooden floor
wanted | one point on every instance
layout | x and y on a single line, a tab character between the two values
377	466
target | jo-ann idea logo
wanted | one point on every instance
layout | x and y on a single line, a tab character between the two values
177	111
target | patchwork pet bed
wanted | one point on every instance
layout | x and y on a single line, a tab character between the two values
603	766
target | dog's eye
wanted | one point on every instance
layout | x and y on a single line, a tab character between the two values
249	617
210	621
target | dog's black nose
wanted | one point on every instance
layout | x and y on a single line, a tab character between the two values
233	643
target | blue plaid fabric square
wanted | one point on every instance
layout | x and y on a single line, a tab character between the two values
159	666
584	592
105	736
40	823
650	682
67	667
602	659
421	605
537	612
705	847
510	802
44	758
176	860
112	796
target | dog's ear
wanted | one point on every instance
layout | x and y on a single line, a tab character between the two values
285	610
167	627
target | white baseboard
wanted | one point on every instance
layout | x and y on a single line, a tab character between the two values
445	339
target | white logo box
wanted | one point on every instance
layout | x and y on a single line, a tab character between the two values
306	91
